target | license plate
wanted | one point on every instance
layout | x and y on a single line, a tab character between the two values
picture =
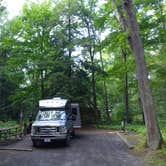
47	140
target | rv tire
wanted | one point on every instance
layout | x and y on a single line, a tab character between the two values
67	140
36	143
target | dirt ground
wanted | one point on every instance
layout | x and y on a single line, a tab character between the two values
90	147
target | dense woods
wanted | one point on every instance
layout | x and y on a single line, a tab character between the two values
107	55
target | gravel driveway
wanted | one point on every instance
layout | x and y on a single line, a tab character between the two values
88	148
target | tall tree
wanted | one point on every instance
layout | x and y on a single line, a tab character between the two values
154	138
87	16
104	81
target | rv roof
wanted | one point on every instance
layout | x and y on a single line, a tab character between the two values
53	103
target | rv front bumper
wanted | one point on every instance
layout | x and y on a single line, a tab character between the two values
48	138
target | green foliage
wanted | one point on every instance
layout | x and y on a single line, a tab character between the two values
35	61
36	46
111	127
117	113
8	124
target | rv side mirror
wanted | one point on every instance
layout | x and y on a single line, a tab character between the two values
74	111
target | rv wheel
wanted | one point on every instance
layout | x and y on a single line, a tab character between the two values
67	140
73	133
36	143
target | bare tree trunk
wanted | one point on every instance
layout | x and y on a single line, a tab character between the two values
154	138
41	67
69	37
97	114
42	84
104	85
126	98
69	48
91	50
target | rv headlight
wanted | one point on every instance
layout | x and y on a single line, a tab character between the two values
63	129
33	130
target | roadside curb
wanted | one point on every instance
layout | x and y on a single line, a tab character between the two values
130	146
17	149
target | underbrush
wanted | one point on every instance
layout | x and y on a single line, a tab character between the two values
8	124
140	129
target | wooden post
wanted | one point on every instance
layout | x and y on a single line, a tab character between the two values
21	117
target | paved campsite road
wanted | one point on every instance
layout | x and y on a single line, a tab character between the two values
88	148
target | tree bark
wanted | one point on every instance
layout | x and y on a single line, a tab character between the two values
154	137
126	97
42	84
141	108
94	84
104	84
69	48
69	37
91	49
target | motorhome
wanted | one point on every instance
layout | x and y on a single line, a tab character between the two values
56	120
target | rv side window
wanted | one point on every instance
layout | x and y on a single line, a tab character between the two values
74	111
68	107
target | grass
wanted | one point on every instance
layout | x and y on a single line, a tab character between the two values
8	124
155	158
140	129
112	127
158	157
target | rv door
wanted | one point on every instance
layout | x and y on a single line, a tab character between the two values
76	115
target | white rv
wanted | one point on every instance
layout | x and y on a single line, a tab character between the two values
55	120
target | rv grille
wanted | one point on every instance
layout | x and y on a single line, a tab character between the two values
46	130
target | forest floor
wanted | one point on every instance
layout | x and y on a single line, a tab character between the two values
90	147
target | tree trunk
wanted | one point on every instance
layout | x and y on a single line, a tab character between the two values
126	98
91	49
154	138
104	85
69	40
123	23
94	85
42	84
141	108
69	48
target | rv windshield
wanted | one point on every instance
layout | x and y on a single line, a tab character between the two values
46	115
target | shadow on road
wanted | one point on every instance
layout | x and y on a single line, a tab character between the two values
61	144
